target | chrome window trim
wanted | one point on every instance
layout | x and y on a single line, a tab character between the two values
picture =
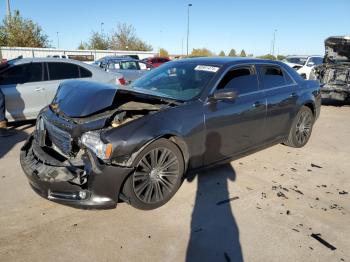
256	73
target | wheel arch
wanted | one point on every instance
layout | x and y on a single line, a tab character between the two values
311	105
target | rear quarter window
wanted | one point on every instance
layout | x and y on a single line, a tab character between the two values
84	73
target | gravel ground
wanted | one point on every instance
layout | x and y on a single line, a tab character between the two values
264	207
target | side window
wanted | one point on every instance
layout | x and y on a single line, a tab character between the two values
58	71
129	65
20	74
142	66
242	80
35	72
84	72
271	76
315	61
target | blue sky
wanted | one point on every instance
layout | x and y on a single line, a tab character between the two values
302	25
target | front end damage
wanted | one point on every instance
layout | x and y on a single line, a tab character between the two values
334	74
91	185
61	166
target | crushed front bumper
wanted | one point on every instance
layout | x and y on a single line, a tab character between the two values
91	186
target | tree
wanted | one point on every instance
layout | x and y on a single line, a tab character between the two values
97	41
18	31
232	53
242	54
201	52
125	39
268	56
81	46
163	52
280	57
222	53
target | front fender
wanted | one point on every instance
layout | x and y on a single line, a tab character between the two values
185	122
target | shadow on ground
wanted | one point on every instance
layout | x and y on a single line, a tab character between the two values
214	231
19	135
337	103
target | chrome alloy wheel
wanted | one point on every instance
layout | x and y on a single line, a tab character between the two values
156	175
303	128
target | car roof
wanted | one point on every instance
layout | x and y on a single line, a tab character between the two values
20	61
223	60
303	56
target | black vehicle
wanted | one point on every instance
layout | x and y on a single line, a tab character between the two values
334	73
136	143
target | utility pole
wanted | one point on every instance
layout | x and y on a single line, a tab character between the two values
188	24
182	46
274	42
102	24
8	9
58	41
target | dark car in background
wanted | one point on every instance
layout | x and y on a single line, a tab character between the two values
334	73
136	143
156	61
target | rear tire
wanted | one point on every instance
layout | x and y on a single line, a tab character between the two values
158	175
301	129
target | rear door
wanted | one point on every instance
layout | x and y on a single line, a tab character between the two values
282	95
23	89
233	127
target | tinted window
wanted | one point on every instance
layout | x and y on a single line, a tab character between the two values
272	76
242	80
84	72
22	74
289	80
63	71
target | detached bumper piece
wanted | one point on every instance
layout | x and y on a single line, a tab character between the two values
90	186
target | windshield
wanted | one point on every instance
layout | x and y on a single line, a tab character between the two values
180	81
297	60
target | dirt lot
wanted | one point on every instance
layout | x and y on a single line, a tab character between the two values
276	199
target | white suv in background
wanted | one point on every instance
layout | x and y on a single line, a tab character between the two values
303	64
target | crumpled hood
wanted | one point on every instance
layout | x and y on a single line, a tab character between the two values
76	98
337	49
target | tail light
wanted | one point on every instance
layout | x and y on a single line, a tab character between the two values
121	81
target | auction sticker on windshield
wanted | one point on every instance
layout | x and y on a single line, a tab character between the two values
213	69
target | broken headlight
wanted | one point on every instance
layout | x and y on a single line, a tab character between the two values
92	140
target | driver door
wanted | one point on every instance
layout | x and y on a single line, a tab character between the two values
23	90
235	126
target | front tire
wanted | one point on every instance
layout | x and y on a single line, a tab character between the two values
301	129
158	175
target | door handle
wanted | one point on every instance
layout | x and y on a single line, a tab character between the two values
39	89
292	95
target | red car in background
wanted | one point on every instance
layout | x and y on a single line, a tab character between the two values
156	61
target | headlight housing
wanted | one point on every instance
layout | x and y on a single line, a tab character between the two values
92	140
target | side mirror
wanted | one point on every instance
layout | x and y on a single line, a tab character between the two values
310	64
224	94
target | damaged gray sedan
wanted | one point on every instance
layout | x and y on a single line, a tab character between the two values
96	144
334	73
